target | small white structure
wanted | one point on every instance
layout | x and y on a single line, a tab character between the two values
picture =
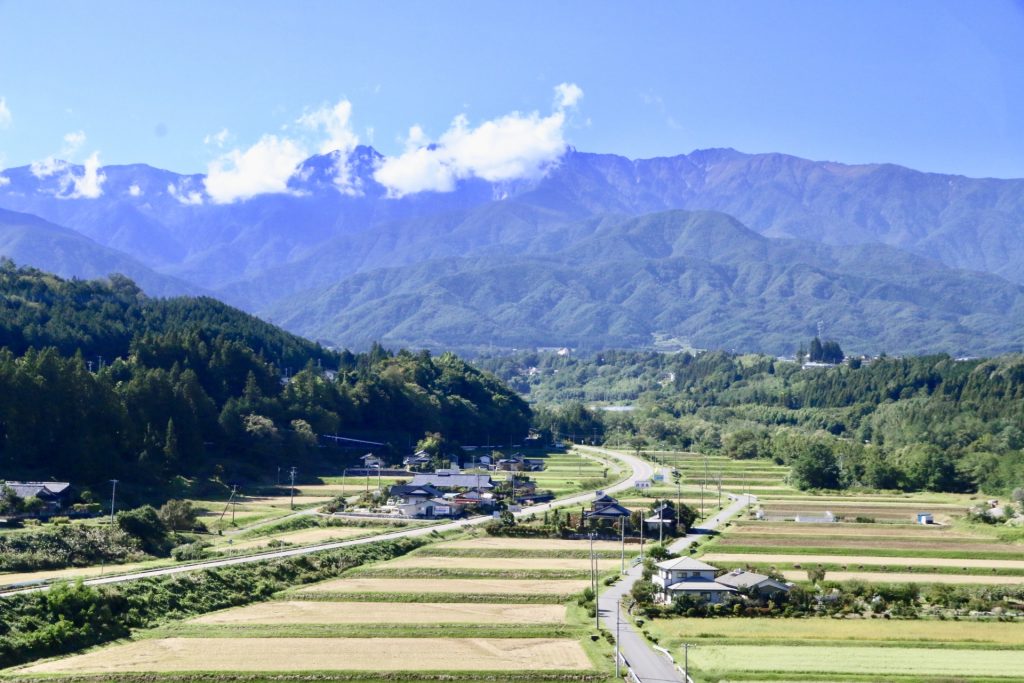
925	518
827	518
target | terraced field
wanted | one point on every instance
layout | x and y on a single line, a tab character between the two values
519	622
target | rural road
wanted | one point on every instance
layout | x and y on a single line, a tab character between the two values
640	470
647	664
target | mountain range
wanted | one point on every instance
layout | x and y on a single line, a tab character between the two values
716	248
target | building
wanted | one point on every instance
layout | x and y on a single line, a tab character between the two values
56	495
417	460
925	518
447	481
664	515
754	584
371	461
687	576
606	507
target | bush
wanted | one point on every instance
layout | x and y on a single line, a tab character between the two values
190	552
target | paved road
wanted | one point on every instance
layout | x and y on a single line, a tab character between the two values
640	470
649	665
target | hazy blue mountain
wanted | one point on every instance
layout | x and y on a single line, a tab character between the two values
283	252
30	240
702	277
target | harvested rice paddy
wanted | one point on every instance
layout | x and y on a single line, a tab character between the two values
865	560
507	563
315	612
339	654
357	584
514	544
909	577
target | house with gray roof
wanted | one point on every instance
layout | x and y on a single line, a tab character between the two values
447	481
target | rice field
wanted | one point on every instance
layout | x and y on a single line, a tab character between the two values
448	586
505	563
330	654
717	661
514	544
315	612
907	577
995	633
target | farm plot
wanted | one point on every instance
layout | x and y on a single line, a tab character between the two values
317	654
514	544
721	660
307	536
313	612
503	563
862	559
675	631
907	577
554	587
950	547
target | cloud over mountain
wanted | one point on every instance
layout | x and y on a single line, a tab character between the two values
509	147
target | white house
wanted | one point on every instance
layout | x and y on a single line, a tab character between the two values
687	576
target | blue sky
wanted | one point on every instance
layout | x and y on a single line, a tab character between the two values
934	85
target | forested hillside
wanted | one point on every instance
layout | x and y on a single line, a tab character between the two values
97	381
928	422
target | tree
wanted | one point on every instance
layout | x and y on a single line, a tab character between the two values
144	524
815	467
10	502
177	515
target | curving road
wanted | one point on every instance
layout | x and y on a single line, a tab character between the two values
648	665
641	470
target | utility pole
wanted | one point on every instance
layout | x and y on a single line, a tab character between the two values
593	571
622	527
113	494
719	489
291	502
231	498
641	536
661	522
686	661
679	508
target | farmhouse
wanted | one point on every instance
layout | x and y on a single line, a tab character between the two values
754	584
687	576
664	515
446	481
371	461
417	460
55	495
606	507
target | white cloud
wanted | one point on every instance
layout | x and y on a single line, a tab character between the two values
184	195
71	184
567	95
134	190
4	180
72	143
263	168
218	138
88	185
5	114
336	124
509	147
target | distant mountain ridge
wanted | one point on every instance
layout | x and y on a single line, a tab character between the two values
281	254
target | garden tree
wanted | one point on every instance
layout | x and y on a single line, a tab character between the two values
177	515
10	502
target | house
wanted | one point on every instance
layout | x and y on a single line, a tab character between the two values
417	460
755	584
56	495
606	507
446	481
687	576
925	518
371	461
664	515
411	493
510	465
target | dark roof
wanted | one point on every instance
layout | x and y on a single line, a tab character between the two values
743	579
608	511
454	481
39	489
604	498
427	490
